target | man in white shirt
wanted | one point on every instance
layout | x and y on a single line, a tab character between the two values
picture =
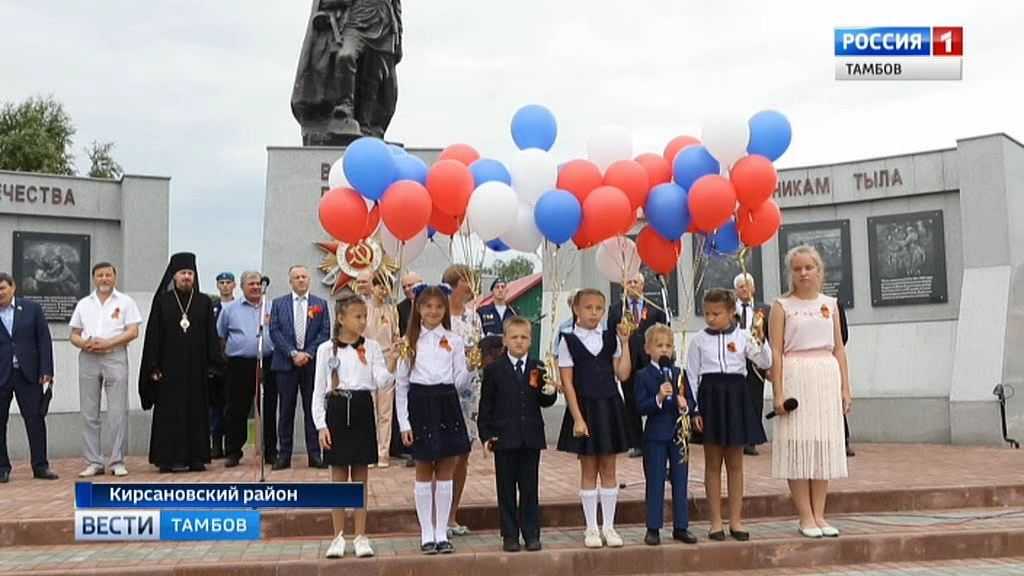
102	325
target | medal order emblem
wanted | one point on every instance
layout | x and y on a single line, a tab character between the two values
355	258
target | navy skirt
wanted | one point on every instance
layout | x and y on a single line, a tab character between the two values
607	425
438	428
353	425
728	411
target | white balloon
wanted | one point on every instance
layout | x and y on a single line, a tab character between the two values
336	178
524	235
534	172
609	145
617	259
393	246
726	139
490	209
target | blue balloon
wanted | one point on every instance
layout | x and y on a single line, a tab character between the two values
726	240
410	167
691	163
534	126
558	215
488	170
370	167
397	150
668	211
497	245
770	134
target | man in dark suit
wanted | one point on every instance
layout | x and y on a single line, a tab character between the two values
510	420
493	316
659	397
845	334
645	316
747	312
26	371
299	324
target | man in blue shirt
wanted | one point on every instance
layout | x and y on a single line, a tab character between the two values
239	326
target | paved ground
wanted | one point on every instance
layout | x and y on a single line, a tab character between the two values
994	567
73	558
876	467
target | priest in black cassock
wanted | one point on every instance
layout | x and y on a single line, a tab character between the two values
181	346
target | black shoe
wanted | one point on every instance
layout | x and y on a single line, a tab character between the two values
217	450
197	467
445	548
5	476
533	545
282	464
751	450
653	537
510	545
44	474
231	462
166	469
850	453
739	535
636	453
684	536
316	462
717	536
429	548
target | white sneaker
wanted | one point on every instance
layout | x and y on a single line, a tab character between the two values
119	470
383	464
363	548
612	538
91	470
592	539
337	548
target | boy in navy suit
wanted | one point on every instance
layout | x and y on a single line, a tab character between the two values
658	397
510	420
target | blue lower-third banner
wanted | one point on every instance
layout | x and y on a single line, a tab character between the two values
172	525
204	496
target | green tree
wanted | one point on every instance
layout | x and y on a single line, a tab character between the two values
36	136
514	269
103	164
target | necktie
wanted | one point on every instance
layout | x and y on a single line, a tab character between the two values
300	324
743	318
519	368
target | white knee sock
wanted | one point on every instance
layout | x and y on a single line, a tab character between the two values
589	498
443	506
424	511
608	499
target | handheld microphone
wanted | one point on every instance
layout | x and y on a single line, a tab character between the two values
790	404
666	368
265	281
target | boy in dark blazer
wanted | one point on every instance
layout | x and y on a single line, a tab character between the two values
658	397
510	420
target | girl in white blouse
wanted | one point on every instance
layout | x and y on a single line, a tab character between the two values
716	367
429	414
349	368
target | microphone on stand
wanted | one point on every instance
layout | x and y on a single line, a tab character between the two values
790	404
264	282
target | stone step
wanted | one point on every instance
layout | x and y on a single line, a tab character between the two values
399	520
976	533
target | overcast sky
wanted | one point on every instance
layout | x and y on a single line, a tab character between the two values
197	89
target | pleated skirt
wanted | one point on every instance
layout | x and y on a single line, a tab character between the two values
809	443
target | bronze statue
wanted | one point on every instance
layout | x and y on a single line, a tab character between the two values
346	85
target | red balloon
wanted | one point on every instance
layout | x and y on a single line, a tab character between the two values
677	144
658	253
343	214
405	208
759	225
754	178
606	214
444	223
463	153
582	241
579	177
659	171
372	222
712	201
630	177
450	184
